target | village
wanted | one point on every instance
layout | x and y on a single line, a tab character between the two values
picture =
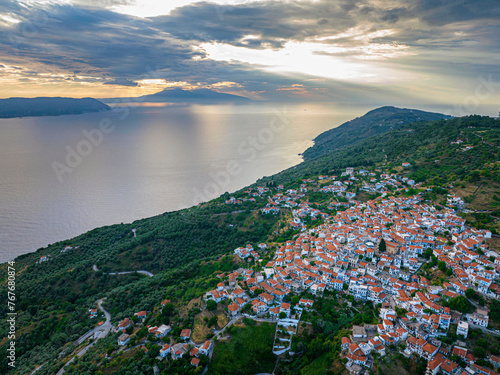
372	251
345	255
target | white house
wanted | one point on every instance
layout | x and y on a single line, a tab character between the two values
463	329
123	339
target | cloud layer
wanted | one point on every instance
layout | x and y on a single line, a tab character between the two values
267	49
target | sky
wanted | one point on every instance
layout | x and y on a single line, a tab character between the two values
443	52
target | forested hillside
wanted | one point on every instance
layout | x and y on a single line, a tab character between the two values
430	147
378	121
53	297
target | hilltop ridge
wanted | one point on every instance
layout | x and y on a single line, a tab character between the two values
374	122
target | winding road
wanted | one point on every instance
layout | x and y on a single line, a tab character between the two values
484	329
106	327
147	273
103	329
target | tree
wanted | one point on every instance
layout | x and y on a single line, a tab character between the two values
168	309
461	304
495	311
442	266
213	321
401	312
434	260
211	305
479	352
427	254
282	315
382	247
470	293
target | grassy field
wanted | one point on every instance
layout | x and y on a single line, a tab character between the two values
222	320
305	329
200	331
200	328
436	276
249	351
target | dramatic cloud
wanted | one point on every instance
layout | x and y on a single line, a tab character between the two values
121	82
93	41
442	12
265	49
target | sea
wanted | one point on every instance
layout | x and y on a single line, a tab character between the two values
62	176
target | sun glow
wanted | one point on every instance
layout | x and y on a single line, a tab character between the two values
152	8
315	59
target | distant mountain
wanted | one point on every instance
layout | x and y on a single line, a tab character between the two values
179	95
45	106
375	122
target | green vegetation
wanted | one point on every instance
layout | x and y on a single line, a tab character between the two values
382	247
378	121
319	341
495	313
211	305
434	158
248	352
460	303
421	144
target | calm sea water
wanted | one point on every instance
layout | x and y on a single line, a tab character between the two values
151	160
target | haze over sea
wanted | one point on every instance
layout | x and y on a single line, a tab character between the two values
157	159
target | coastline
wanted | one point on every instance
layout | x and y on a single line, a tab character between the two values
62	240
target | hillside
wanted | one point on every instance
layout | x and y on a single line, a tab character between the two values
461	153
50	106
431	146
187	251
377	121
